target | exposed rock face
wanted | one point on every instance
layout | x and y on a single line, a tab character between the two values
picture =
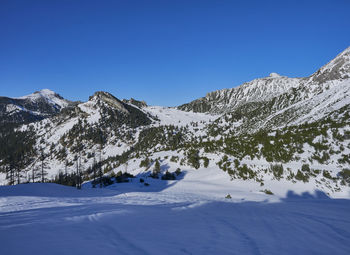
226	100
139	104
337	69
110	100
118	111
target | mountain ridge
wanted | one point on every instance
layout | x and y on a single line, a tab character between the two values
293	130
262	89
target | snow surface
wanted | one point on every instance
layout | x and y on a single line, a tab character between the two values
172	116
90	108
189	216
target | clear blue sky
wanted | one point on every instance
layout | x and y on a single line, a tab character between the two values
164	52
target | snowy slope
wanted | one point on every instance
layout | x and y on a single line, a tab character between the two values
63	220
172	116
60	126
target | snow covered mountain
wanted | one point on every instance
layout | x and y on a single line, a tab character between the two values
274	132
276	101
227	100
33	107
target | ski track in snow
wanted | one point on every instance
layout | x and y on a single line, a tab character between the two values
173	220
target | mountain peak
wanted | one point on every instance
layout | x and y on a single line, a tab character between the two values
41	93
48	96
45	92
274	75
109	99
101	95
36	106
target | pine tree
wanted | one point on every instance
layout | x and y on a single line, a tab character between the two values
156	169
66	171
33	174
94	173
193	158
10	174
42	159
100	174
100	166
18	176
77	174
